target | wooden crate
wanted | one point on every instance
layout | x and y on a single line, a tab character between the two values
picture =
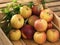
5	41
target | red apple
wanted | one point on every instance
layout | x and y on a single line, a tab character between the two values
15	34
17	21
39	37
32	19
40	25
52	35
25	11
27	31
47	15
36	9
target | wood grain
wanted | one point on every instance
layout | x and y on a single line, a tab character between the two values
4	39
53	3
30	42
4	1
58	13
49	1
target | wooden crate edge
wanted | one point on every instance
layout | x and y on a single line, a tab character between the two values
4	38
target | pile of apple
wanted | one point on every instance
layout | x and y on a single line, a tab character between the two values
33	23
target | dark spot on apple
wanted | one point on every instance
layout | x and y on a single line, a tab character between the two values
27	8
19	19
48	13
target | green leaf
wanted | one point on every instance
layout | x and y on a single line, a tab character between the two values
8	28
43	3
30	4
5	10
16	9
14	1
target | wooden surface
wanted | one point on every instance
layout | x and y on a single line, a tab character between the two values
3	39
52	4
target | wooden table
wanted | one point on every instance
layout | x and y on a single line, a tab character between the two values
53	5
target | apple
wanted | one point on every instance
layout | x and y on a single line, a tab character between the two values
52	35
39	37
25	11
36	9
15	34
50	25
40	25
47	15
27	31
17	21
32	19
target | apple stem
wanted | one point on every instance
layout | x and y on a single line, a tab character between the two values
30	4
26	20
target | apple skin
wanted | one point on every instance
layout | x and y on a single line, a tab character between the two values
25	11
17	21
47	15
39	37
40	25
52	35
15	34
36	9
32	20
50	25
27	31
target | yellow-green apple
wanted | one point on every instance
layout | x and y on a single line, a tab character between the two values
17	21
25	11
27	31
50	25
39	37
47	15
40	25
32	19
36	9
52	35
15	34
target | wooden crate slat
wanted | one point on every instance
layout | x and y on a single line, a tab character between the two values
1	43
53	4
19	42
4	39
4	1
58	13
48	1
30	42
55	9
4	4
49	43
